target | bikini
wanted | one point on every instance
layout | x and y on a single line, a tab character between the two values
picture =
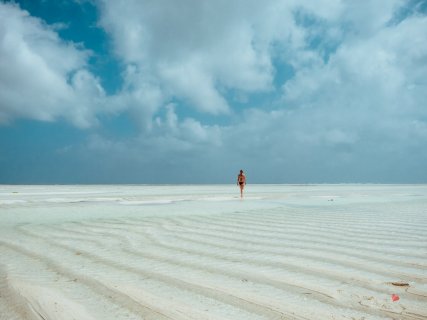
241	182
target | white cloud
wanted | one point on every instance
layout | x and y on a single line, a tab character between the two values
353	110
356	116
381	76
195	85
186	130
194	49
41	76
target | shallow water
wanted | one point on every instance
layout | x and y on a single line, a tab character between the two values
200	252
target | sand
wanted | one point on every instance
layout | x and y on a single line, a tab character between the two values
199	252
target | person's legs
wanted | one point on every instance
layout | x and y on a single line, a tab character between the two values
242	186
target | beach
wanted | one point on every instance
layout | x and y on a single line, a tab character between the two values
200	252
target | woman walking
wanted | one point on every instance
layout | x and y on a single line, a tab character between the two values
241	182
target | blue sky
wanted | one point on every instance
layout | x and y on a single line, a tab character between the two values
138	91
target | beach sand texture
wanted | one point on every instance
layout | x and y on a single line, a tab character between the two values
199	252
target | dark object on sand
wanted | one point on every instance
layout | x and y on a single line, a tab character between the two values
400	284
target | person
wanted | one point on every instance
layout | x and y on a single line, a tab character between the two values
241	182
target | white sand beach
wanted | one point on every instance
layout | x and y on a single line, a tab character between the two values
199	252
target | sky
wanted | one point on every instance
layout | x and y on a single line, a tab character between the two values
192	91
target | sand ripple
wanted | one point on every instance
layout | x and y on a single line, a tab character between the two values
286	262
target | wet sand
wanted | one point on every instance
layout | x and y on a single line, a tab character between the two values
199	252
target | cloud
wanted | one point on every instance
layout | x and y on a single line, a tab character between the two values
363	106
195	50
365	82
352	109
41	76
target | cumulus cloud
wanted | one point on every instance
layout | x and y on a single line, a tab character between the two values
195	49
351	109
368	82
41	76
